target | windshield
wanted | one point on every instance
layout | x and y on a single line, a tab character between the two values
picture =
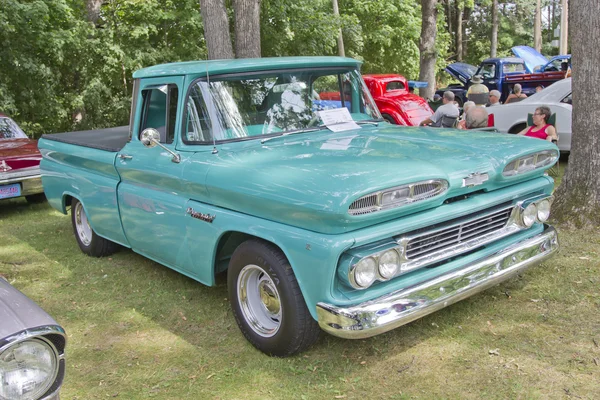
10	130
271	103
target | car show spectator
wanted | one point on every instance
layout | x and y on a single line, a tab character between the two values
539	88
516	95
541	129
476	117
446	115
494	98
466	107
478	92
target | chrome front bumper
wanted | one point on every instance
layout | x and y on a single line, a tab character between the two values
406	305
29	178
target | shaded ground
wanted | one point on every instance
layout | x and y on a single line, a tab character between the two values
139	330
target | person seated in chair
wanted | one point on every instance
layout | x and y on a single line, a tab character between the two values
516	95
445	116
461	122
494	98
476	117
541	129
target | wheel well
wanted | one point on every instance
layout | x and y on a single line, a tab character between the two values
227	245
517	128
389	118
67	202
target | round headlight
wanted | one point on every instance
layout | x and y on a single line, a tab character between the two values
365	272
543	210
388	264
529	215
27	369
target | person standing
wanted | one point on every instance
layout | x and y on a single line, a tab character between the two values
446	115
478	93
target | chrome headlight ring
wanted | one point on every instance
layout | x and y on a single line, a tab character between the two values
530	162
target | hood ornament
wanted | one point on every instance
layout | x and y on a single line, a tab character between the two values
475	179
4	167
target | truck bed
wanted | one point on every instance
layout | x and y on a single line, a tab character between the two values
110	139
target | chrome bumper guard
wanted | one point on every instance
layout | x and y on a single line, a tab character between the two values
29	178
406	305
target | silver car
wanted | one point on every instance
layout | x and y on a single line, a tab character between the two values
32	348
512	118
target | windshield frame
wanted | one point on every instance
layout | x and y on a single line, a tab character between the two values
240	75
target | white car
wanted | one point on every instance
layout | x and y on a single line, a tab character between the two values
512	118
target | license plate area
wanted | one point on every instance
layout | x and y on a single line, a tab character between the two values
8	191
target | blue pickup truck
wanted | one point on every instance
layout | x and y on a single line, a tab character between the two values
499	74
323	215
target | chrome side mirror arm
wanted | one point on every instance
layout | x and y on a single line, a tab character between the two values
150	137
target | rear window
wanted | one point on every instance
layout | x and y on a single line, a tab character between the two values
10	130
394	86
513	67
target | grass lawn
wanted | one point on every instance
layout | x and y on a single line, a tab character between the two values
138	330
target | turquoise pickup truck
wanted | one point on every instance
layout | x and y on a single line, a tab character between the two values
323	215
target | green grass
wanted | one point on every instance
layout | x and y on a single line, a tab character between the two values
138	330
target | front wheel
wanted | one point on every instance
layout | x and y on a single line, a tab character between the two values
267	302
89	243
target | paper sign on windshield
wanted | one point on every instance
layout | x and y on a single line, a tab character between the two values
338	119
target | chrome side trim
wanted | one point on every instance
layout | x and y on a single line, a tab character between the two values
406	305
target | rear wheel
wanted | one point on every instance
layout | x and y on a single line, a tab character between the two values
389	119
90	243
267	302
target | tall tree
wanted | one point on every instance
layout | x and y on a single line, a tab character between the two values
216	29
93	10
537	26
459	30
494	39
427	48
578	196
247	28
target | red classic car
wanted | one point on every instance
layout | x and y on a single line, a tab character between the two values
396	103
19	163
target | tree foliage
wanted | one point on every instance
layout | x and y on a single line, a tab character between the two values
62	72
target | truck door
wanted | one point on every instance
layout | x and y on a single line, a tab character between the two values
150	193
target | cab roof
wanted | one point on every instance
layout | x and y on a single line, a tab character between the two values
215	67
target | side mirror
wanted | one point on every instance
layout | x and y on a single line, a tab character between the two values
150	137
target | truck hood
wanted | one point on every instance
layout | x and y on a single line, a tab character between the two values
461	71
530	56
309	180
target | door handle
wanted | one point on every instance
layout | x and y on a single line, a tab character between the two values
125	157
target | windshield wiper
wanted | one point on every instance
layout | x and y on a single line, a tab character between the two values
303	130
320	127
370	121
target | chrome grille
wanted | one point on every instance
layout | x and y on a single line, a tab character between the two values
453	234
364	205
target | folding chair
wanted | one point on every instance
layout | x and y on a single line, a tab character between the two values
554	170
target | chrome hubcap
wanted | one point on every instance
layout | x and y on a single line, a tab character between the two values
84	231
259	300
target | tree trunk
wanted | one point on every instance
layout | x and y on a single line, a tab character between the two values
216	29
578	197
93	10
247	28
465	22
537	27
494	38
550	21
459	30
427	48
340	41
